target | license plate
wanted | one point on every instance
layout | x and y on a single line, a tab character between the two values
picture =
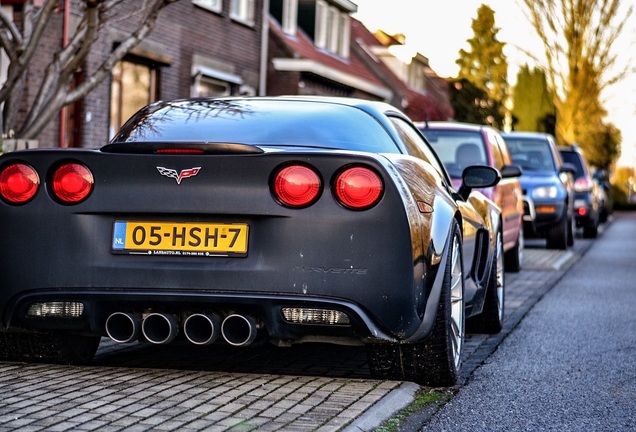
180	238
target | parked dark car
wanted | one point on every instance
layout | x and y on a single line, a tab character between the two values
547	187
588	199
607	202
284	219
459	145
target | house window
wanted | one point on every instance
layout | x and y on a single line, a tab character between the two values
134	85
211	5
332	30
286	13
210	87
214	82
243	11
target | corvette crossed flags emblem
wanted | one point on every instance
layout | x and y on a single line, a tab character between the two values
171	173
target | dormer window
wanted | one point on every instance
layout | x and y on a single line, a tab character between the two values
332	28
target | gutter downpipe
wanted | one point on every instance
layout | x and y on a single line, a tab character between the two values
262	85
65	37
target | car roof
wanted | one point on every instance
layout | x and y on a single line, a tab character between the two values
452	125
518	134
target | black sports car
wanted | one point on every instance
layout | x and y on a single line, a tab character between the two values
285	219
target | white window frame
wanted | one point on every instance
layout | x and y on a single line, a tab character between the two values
290	17
242	11
322	24
211	5
333	31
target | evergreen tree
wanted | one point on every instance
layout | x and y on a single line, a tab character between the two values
486	67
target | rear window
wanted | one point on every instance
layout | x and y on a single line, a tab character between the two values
531	154
574	159
261	123
457	149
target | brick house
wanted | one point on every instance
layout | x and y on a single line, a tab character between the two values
317	48
230	47
197	48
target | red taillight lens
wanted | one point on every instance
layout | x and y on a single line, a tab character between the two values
19	183
296	186
72	183
583	184
358	188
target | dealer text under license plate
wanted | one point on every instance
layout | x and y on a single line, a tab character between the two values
180	238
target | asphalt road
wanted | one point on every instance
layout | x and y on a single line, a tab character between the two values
570	365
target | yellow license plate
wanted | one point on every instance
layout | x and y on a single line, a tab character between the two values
180	238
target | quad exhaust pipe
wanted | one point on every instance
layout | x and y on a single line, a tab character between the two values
239	330
123	327
200	329
160	328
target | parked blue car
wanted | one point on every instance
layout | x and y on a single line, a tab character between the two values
547	185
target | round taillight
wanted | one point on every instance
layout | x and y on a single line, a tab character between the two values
19	183
72	183
358	188
296	186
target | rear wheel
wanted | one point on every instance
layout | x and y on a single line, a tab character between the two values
514	257
48	347
490	320
558	235
571	229
436	360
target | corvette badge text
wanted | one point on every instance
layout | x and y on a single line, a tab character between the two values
333	270
172	173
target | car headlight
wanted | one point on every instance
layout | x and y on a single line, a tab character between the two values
543	192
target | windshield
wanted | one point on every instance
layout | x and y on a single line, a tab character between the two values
457	149
531	154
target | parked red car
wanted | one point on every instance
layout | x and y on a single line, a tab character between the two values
459	145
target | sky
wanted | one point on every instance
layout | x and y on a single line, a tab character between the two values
438	29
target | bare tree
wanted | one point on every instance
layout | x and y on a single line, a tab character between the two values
55	90
578	37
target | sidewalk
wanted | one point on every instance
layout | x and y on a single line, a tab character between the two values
136	397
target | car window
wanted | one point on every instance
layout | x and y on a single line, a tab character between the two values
576	160
531	154
457	149
262	123
415	145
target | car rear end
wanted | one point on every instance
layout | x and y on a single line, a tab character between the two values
586	195
162	240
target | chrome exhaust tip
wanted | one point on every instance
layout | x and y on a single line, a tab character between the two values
201	329
160	328
123	327
239	330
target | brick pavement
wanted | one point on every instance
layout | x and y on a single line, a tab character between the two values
278	395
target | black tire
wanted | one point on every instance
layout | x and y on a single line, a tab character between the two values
47	347
571	230
435	361
558	235
491	319
590	231
513	258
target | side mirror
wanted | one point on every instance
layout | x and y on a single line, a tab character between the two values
509	171
476	177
